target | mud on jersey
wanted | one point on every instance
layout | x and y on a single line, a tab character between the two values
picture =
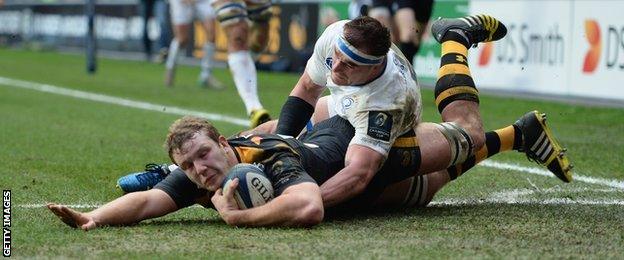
381	110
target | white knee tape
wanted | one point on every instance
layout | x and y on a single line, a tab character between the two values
260	12
230	12
417	195
460	142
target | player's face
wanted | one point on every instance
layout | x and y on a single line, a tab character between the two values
345	72
203	160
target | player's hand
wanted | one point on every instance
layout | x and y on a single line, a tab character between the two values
72	218
223	200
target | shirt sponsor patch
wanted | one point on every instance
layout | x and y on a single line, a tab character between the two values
379	125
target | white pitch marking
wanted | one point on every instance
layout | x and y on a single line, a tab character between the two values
515	197
502	197
76	206
514	167
119	101
242	122
556	201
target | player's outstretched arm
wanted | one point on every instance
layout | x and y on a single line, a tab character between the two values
128	209
71	217
361	164
299	106
298	205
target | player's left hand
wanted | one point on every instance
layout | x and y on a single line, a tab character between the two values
224	202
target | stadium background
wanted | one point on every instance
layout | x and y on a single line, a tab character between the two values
573	54
66	136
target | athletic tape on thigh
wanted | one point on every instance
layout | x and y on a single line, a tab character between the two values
417	195
231	12
260	13
459	141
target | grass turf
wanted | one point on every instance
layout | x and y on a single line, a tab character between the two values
68	150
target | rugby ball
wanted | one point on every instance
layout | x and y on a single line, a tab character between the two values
254	187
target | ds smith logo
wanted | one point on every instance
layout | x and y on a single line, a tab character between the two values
592	33
486	54
524	45
613	46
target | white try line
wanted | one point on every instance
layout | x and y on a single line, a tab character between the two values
509	197
438	203
556	201
242	122
519	197
119	101
537	171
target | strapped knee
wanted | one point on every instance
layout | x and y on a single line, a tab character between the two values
231	12
460	142
260	13
417	195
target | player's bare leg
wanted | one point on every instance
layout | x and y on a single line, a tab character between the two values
408	32
458	102
233	18
181	32
206	78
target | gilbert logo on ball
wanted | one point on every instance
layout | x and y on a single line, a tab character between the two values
254	187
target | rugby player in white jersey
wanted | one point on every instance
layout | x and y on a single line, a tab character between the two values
243	38
183	13
374	87
233	17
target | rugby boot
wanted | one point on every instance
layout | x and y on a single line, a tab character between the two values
476	28
258	117
145	180
162	56
539	145
210	82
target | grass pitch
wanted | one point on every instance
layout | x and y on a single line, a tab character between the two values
56	148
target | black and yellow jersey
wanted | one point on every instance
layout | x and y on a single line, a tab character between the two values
315	156
276	155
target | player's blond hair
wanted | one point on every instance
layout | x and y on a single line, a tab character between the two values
184	129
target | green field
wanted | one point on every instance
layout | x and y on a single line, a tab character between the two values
63	149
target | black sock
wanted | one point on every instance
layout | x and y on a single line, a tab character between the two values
409	50
458	36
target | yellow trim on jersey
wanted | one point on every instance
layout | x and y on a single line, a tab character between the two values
405	142
249	154
256	139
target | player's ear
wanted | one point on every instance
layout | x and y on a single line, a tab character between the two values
223	142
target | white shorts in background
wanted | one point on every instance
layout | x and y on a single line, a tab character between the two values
185	11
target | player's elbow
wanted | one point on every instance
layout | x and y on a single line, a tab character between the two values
310	214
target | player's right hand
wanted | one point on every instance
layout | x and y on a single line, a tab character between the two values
71	217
